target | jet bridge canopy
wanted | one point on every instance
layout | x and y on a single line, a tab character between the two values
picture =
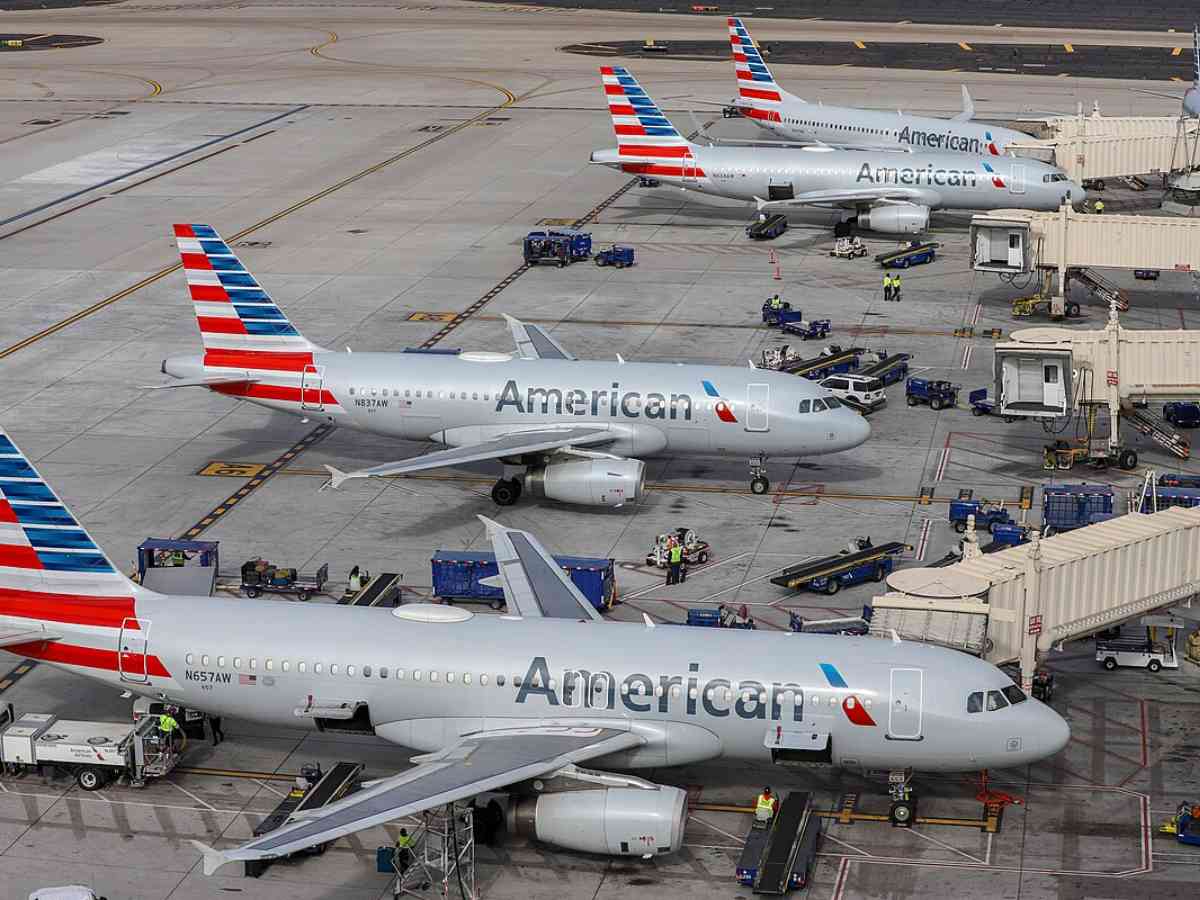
1098	146
1077	583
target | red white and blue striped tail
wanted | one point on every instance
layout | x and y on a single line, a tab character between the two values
50	568
647	142
759	96
232	309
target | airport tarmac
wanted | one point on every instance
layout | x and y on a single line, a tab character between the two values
376	167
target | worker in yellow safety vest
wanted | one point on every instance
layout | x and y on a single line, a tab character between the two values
776	303
764	808
896	288
168	729
887	286
404	854
674	560
1098	206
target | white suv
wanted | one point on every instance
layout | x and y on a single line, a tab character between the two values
860	391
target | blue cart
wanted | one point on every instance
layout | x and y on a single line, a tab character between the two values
982	405
781	316
915	254
557	247
457	575
616	256
806	330
1068	506
1009	534
937	394
986	516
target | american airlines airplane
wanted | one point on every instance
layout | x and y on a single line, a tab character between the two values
1190	101
565	429
762	100
886	191
497	701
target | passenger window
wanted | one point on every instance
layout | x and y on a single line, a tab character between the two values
416	674
995	700
449	678
351	392
366	671
818	405
466	677
383	671
805	405
975	702
433	675
483	680
188	659
220	662
253	663
399	674
237	662
499	681
516	681
1015	695
316	668
285	666
333	668
301	667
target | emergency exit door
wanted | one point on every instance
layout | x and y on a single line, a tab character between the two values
132	647
312	387
908	698
758	404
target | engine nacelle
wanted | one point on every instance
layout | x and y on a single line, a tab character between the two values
615	821
905	218
590	482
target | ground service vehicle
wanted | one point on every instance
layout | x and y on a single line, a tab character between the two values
915	254
557	247
695	550
937	394
779	855
862	392
806	330
1182	415
616	256
260	577
1138	653
467	574
981	405
1185	824
848	247
987	516
767	228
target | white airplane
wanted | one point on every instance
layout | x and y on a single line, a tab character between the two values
763	101
566	429
882	190
496	701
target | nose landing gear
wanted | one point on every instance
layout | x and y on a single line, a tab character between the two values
903	812
759	483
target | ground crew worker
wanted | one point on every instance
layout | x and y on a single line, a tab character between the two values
404	854
776	303
218	734
887	286
674	561
178	558
1098	206
896	288
168	728
355	581
764	808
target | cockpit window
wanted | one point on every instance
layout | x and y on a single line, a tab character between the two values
975	702
1054	176
832	402
995	700
1014	694
805	406
818	405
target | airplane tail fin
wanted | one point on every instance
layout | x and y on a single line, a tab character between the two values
1196	54
51	570
759	95
647	142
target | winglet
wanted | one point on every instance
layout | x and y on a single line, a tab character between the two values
213	859
968	110
491	525
337	476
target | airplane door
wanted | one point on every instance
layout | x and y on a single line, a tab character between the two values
1016	252
688	163
131	650
908	697
312	383
1016	184
758	404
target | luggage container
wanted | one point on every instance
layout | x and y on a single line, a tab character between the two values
1068	506
457	575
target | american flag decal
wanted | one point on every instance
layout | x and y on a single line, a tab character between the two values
247	679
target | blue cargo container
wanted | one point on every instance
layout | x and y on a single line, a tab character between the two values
1179	479
457	573
1067	506
1166	497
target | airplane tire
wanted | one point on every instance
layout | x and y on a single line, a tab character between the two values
1072	310
832	586
911	400
302	596
1110	663
977	410
936	403
1154	665
902	813
90	779
759	484
252	592
506	491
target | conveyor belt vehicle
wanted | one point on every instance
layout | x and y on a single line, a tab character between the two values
852	566
888	368
915	254
767	229
780	856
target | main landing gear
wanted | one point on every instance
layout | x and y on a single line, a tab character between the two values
903	812
759	484
506	491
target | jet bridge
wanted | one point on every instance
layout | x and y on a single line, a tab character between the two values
1036	595
1096	147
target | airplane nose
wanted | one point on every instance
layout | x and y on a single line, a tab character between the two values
856	431
1052	734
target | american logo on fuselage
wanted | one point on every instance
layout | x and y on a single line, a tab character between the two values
947	140
613	402
917	176
643	693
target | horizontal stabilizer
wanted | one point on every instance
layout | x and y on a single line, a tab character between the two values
206	381
10	637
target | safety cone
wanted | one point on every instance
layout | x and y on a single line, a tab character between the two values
778	275
772	258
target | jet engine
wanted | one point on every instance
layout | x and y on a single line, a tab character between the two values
603	481
903	218
618	821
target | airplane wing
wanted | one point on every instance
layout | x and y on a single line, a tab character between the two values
892	194
10	637
515	444
477	763
206	381
534	584
533	342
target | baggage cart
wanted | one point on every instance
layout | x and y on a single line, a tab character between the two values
261	577
616	256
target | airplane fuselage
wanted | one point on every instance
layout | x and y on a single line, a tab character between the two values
935	180
651	408
796	120
733	695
